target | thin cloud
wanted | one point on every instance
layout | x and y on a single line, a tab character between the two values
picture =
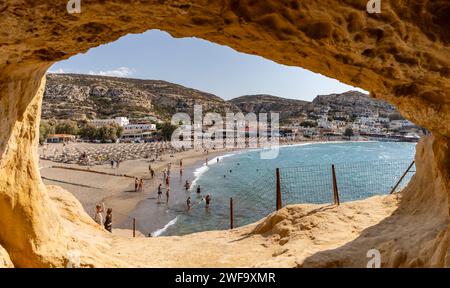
119	72
57	71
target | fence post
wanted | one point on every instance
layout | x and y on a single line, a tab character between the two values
231	214
279	204
335	187
134	227
401	178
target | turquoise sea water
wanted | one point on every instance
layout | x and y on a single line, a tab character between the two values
363	170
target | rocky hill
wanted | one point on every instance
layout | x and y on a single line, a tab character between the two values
74	96
77	96
287	108
353	102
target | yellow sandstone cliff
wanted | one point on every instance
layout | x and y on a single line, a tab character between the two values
401	55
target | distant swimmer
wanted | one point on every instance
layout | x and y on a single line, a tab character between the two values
198	189
231	171
188	202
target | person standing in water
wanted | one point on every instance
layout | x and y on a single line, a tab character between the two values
167	194
207	201
187	185
108	220
198	189
188	202
159	192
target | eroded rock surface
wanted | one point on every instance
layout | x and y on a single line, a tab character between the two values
401	55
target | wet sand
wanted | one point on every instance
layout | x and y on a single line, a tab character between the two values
118	192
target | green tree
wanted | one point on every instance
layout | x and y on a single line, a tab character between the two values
308	124
88	131
108	133
45	128
167	130
67	127
348	132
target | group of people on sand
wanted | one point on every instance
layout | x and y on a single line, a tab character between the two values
138	185
107	223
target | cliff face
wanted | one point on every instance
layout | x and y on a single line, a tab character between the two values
287	108
78	96
401	55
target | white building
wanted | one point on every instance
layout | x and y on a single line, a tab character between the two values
121	121
324	123
138	128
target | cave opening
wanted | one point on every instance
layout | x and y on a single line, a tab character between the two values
400	56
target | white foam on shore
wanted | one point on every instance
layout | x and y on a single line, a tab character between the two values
202	169
162	230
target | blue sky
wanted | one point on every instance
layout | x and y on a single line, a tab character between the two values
199	64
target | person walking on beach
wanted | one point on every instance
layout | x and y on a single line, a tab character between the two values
136	184
207	201
112	163
108	220
152	173
188	202
181	172
99	209
206	161
164	175
167	180
141	185
150	168
159	192
181	163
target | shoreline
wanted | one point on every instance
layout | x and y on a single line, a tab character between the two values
119	194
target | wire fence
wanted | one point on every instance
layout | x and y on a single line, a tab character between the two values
312	184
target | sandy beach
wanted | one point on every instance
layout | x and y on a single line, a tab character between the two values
117	192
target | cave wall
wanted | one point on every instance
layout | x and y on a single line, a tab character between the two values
401	55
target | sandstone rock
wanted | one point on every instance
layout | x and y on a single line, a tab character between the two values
5	261
401	55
